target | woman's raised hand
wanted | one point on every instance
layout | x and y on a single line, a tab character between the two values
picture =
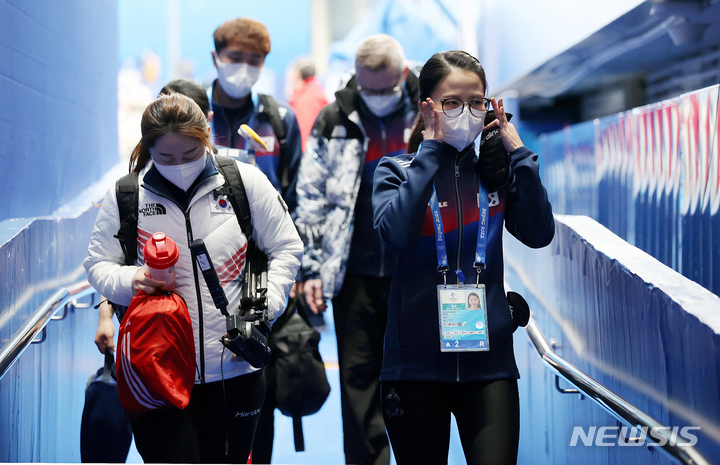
508	133
431	117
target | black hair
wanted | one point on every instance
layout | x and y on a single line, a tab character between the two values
189	89
473	294
173	113
433	71
307	71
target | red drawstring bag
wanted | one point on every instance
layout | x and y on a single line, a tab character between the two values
156	354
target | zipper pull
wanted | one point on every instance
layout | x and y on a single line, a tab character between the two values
457	171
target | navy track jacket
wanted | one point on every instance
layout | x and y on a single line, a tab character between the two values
402	189
282	172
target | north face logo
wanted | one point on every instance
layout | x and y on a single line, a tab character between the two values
152	209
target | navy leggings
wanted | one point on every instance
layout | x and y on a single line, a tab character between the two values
417	417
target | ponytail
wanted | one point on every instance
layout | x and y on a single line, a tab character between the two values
139	158
416	135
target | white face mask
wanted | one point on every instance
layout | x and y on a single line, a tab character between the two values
381	105
183	175
461	131
236	79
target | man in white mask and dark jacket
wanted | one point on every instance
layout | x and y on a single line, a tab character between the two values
241	46
344	259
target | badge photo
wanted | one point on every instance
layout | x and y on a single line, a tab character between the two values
462	315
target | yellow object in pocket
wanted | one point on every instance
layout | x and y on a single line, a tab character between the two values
252	137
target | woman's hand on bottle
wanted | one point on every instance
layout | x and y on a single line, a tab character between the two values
510	137
431	117
143	282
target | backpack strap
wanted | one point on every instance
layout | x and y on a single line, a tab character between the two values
126	191
235	190
298	436
127	194
271	109
255	259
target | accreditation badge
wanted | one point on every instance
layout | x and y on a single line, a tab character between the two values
463	318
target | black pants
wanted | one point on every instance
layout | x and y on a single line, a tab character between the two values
265	433
213	421
360	313
487	414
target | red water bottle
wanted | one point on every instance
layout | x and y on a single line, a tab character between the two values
161	255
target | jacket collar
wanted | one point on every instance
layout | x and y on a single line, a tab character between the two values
450	155
208	180
348	98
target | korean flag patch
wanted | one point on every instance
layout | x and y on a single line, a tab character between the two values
494	200
221	205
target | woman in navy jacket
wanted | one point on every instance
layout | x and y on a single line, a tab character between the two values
422	385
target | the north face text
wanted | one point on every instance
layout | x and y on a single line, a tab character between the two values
151	209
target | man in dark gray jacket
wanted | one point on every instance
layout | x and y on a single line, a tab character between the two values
344	259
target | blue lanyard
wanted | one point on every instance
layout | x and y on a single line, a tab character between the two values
480	248
439	233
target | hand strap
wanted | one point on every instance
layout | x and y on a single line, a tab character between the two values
109	364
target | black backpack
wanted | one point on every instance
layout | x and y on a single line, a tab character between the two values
301	382
268	106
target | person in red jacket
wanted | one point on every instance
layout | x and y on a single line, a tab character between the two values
307	96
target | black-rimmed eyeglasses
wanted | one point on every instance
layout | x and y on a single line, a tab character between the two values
453	107
386	91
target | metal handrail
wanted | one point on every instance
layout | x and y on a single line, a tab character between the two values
38	321
618	407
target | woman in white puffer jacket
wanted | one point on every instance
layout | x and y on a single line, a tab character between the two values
179	195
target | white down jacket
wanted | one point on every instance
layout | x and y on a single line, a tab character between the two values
212	219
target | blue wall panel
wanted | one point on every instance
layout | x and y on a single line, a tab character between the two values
58	127
568	158
636	326
41	396
58	101
651	175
